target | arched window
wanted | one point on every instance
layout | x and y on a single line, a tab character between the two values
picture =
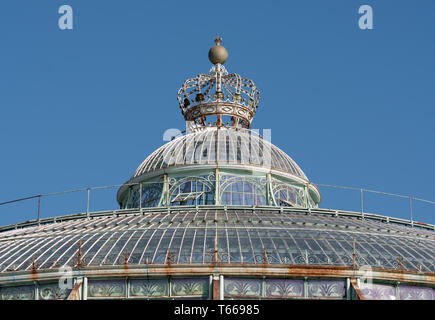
242	191
192	191
132	200
151	194
287	195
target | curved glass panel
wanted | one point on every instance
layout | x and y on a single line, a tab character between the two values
132	199
151	194
192	191
229	236
287	195
224	146
237	190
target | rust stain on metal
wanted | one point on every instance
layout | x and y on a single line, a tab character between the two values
399	263
34	271
125	265
216	289
356	289
79	255
34	265
241	270
75	293
168	258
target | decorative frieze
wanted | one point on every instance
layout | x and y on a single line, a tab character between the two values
326	288
149	288
17	293
243	287
52	291
106	288
416	293
284	288
378	292
190	287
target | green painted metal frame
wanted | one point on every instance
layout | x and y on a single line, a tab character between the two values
310	200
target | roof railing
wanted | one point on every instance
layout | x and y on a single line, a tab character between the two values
90	191
280	210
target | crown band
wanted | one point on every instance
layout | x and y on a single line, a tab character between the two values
216	94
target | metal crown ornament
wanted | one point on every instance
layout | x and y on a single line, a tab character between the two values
222	98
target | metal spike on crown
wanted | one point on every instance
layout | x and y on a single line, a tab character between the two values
219	94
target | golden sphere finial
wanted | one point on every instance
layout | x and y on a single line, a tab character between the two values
218	53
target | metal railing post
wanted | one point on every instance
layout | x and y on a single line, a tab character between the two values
87	203
39	206
140	195
165	190
362	202
217	199
306	196
410	207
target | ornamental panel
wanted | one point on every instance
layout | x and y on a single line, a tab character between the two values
239	287
149	287
326	288
106	288
416	293
52	291
190	287
284	288
378	292
17	293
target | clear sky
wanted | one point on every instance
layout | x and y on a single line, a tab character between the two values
84	107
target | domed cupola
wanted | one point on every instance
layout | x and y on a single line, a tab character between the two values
219	160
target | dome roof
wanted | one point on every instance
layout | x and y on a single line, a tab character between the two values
239	236
220	146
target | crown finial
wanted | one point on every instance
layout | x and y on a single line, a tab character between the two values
218	54
218	95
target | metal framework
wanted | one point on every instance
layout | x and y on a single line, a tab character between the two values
219	93
224	146
236	236
232	283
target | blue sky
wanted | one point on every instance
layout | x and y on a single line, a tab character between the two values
84	107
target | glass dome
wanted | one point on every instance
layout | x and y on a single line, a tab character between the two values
218	166
220	146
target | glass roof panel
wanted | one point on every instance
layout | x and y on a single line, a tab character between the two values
241	238
212	145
